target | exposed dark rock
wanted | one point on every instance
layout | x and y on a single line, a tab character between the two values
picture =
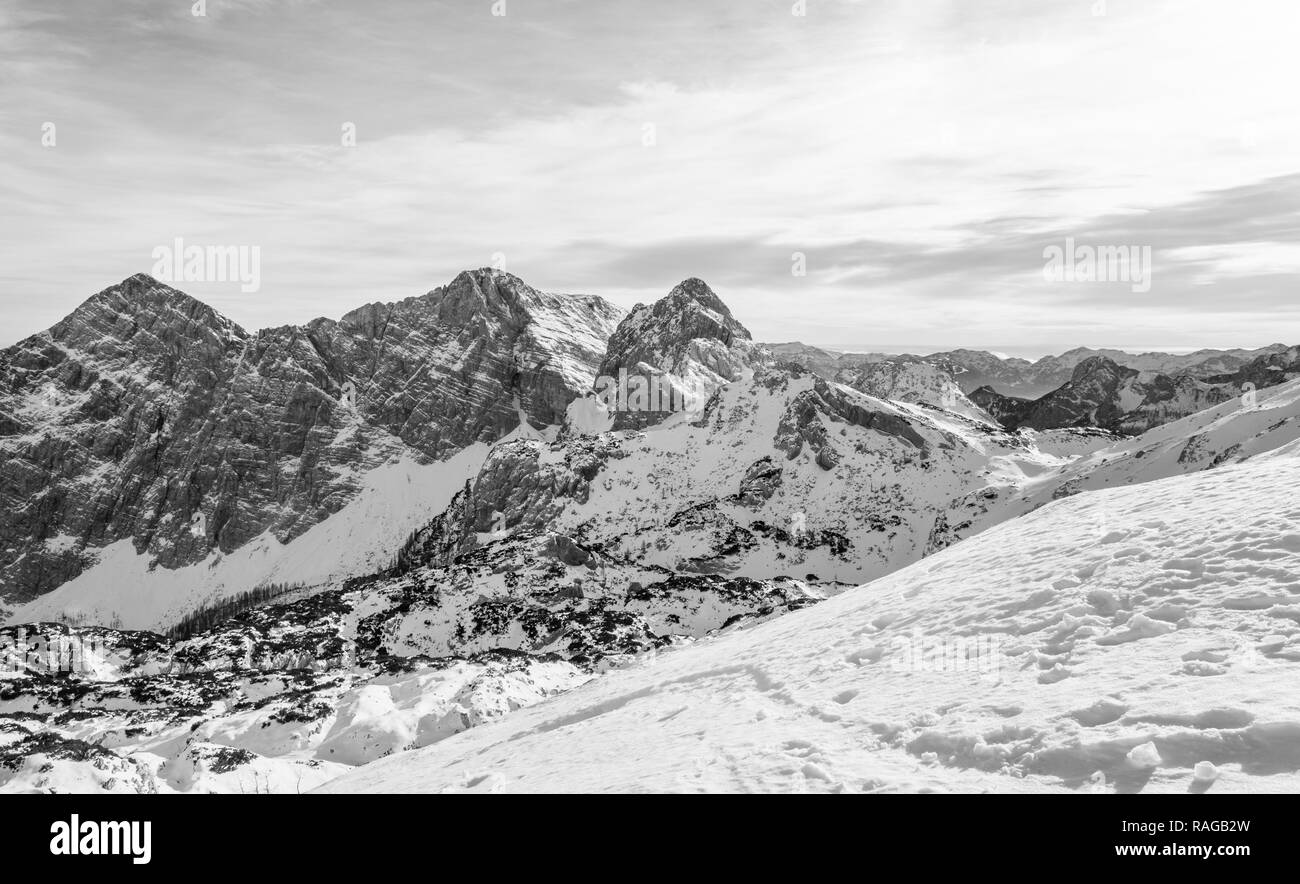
146	415
760	482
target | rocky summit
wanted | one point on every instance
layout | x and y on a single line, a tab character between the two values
147	417
688	343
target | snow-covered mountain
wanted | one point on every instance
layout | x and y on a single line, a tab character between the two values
1236	431
503	534
783	474
824	362
566	552
684	346
150	444
287	695
1102	393
1025	379
906	381
1198	364
1134	639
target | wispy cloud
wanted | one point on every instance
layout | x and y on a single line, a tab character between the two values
920	155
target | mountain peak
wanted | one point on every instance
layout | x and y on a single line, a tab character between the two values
488	275
689	335
140	299
1099	364
698	290
691	312
485	292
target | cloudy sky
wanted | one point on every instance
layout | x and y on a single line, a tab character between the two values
919	154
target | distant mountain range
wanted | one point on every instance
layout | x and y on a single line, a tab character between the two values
1102	393
1021	378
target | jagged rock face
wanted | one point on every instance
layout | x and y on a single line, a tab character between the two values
689	340
803	425
459	364
1091	398
145	415
520	489
760	482
662	334
1166	399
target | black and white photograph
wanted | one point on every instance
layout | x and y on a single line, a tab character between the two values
629	398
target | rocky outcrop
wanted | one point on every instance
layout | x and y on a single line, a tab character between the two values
761	481
147	416
462	363
811	416
685	345
1008	411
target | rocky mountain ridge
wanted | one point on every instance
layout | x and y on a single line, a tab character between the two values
569	536
1104	394
147	417
1026	379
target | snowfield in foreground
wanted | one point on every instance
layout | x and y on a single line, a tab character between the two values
1143	638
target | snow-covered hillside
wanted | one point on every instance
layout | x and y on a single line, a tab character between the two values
124	587
920	382
284	695
477	529
783	474
1236	431
1160	654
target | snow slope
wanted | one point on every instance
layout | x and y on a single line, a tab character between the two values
1233	432
919	382
782	475
1041	655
